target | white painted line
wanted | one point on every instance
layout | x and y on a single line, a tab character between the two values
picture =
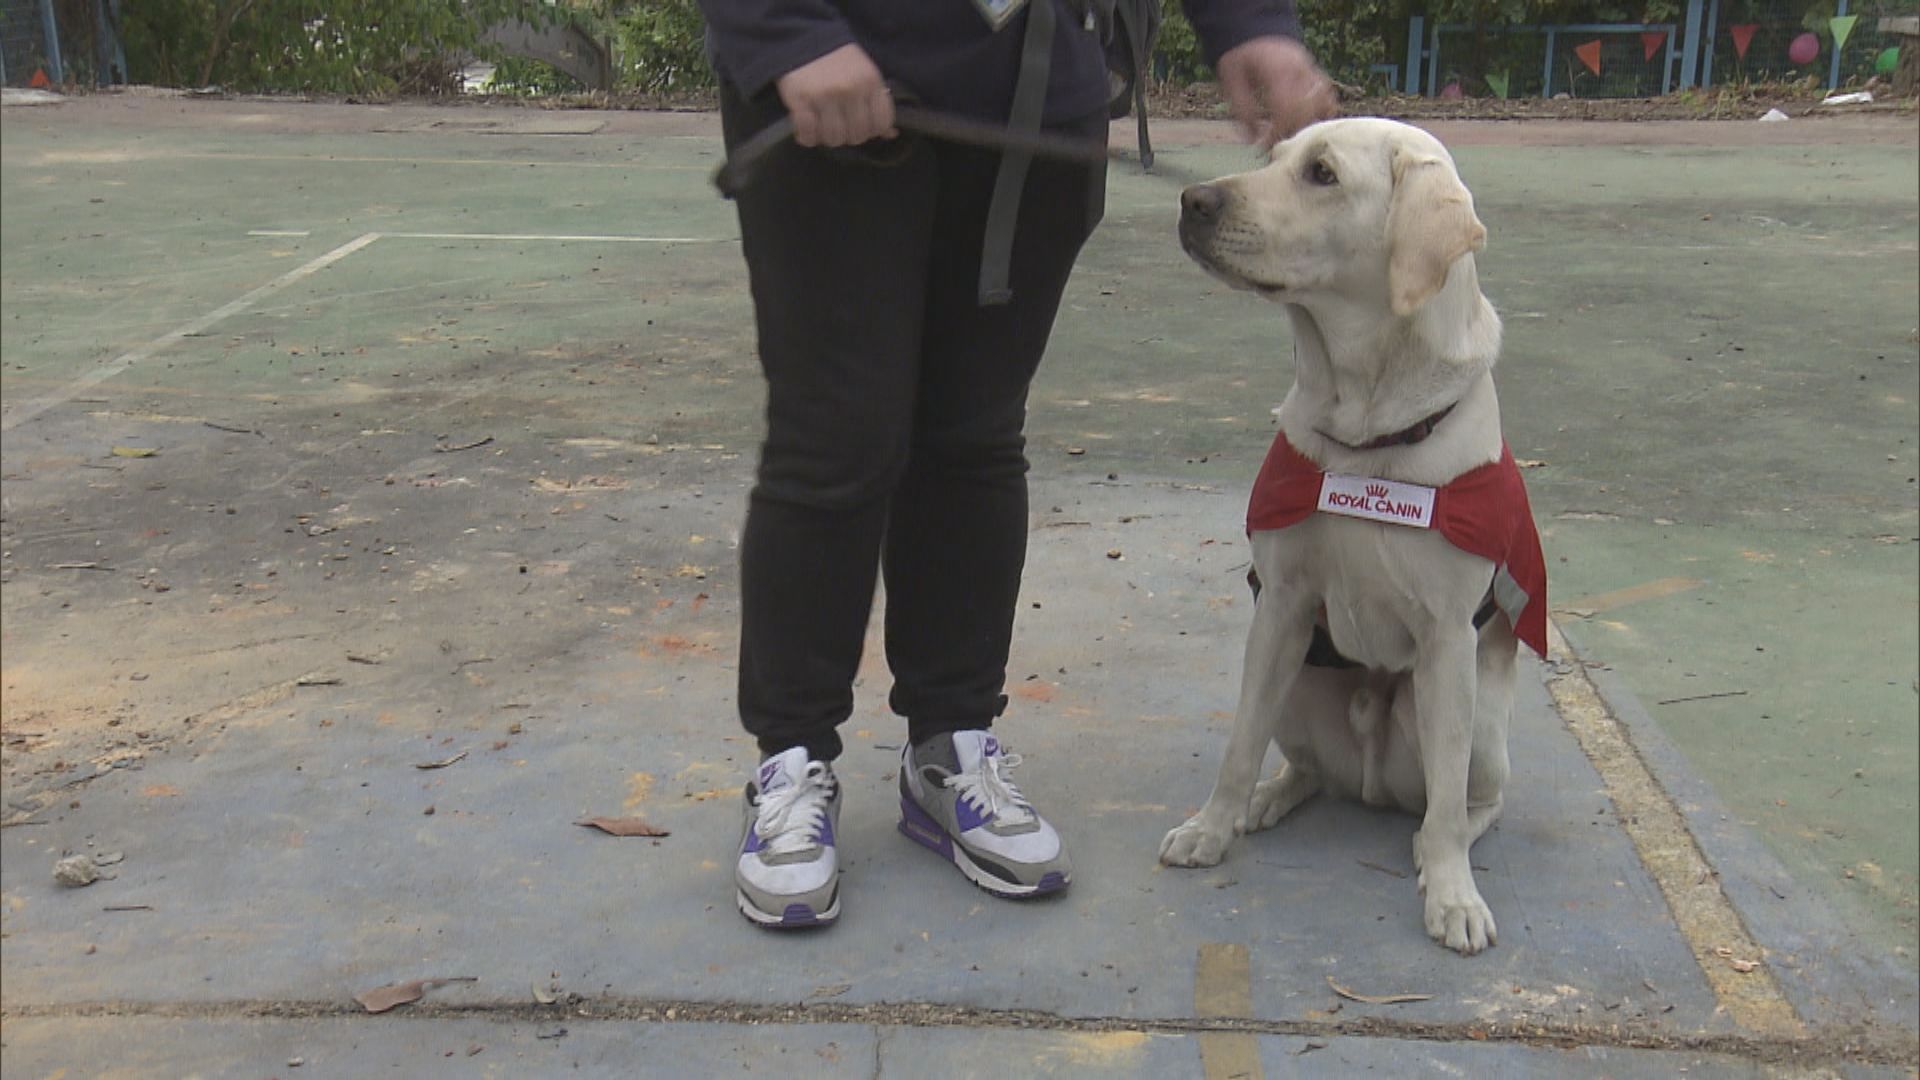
580	239
280	232
37	406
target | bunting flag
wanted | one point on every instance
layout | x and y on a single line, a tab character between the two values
1651	41
1742	37
1842	26
1500	83
39	80
1589	55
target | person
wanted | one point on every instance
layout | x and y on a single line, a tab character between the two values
899	327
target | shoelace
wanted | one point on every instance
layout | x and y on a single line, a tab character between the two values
790	818
989	789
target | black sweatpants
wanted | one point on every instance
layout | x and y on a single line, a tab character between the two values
895	411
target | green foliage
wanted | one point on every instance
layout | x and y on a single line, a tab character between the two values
530	78
662	47
324	46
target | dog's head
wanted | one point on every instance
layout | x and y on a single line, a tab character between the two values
1363	209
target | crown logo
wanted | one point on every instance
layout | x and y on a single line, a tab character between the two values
1377	491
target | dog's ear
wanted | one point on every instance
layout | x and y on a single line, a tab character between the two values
1430	223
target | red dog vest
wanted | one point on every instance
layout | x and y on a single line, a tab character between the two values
1483	512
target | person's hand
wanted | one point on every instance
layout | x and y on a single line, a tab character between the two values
1274	88
838	100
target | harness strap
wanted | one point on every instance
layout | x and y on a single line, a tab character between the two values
1321	651
1029	102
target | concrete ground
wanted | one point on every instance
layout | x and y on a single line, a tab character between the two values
452	413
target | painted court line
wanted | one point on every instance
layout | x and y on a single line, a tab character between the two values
280	232
38	406
1734	963
1223	989
563	237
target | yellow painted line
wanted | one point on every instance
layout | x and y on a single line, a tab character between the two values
31	409
1223	990
1733	962
1651	590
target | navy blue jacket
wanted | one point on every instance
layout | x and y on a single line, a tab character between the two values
944	52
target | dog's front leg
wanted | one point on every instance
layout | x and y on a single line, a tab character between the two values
1444	678
1276	648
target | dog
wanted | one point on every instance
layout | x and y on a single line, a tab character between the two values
1396	560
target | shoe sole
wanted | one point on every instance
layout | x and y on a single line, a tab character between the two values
795	917
920	827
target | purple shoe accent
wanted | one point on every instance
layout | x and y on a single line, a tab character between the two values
754	843
825	836
1054	881
968	815
798	915
920	827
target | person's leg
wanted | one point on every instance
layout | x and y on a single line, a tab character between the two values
957	529
836	250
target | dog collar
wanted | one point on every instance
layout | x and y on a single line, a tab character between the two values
1404	437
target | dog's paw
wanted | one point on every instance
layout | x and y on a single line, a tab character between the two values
1194	844
1457	917
1267	805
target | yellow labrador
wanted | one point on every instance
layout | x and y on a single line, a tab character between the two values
1389	525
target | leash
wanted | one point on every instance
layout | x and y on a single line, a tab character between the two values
734	174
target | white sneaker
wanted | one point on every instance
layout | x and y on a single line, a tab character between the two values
788	875
955	799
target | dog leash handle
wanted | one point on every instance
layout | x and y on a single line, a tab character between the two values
734	174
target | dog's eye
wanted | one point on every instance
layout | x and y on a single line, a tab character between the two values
1322	174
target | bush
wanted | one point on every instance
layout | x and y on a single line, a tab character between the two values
662	47
321	46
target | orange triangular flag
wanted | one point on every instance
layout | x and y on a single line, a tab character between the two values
1742	37
39	80
1589	55
1651	42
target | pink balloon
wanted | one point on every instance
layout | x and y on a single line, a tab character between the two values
1804	49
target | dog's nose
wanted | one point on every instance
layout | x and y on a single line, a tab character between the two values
1202	202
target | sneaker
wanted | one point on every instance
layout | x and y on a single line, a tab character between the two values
789	874
955	798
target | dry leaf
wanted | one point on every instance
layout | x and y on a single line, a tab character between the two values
441	764
622	826
1376	999
380	999
134	451
1530	463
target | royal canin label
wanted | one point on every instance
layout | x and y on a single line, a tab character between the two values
1377	500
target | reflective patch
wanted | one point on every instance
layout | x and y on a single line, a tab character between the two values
998	12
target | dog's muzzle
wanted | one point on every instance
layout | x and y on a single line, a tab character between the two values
1201	208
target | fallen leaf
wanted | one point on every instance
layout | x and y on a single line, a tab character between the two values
1530	463
382	998
622	826
832	990
542	996
134	451
1376	999
1310	1047
318	679
155	791
441	764
556	1033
